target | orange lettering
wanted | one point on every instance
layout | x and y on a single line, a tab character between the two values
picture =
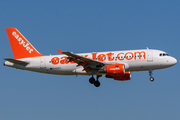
101	57
72	62
84	55
94	56
118	56
139	55
127	54
109	55
55	60
64	60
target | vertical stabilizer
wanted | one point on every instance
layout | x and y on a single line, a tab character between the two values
21	47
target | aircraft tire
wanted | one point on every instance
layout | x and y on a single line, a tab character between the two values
96	83
92	80
151	79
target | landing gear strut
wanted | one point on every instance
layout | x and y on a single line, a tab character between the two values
95	82
150	74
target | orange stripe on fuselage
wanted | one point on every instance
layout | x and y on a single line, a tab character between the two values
110	56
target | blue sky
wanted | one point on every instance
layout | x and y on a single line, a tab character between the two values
89	26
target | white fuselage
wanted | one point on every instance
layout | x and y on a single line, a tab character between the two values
134	60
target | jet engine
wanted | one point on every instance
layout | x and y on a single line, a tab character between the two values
113	70
122	77
116	71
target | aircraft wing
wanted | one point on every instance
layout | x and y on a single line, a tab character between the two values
75	56
87	63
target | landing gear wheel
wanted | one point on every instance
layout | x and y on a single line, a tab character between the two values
151	79
92	80
96	83
150	74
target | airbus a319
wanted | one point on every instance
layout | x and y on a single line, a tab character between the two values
116	65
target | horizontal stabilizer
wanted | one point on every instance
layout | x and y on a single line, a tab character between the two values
16	61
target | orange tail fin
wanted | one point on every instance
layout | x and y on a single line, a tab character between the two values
21	47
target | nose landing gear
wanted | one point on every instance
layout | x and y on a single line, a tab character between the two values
150	74
95	82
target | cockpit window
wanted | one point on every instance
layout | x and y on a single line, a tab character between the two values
163	54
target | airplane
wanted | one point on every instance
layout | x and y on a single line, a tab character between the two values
116	65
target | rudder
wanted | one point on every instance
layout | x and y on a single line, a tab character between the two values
21	47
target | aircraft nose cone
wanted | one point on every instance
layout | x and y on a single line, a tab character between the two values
173	61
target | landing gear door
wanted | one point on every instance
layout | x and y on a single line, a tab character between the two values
42	63
149	55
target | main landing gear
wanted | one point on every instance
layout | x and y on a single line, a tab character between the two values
150	74
95	82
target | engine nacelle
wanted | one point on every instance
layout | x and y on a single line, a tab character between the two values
113	70
122	77
126	76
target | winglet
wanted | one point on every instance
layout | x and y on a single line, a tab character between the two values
21	47
59	51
